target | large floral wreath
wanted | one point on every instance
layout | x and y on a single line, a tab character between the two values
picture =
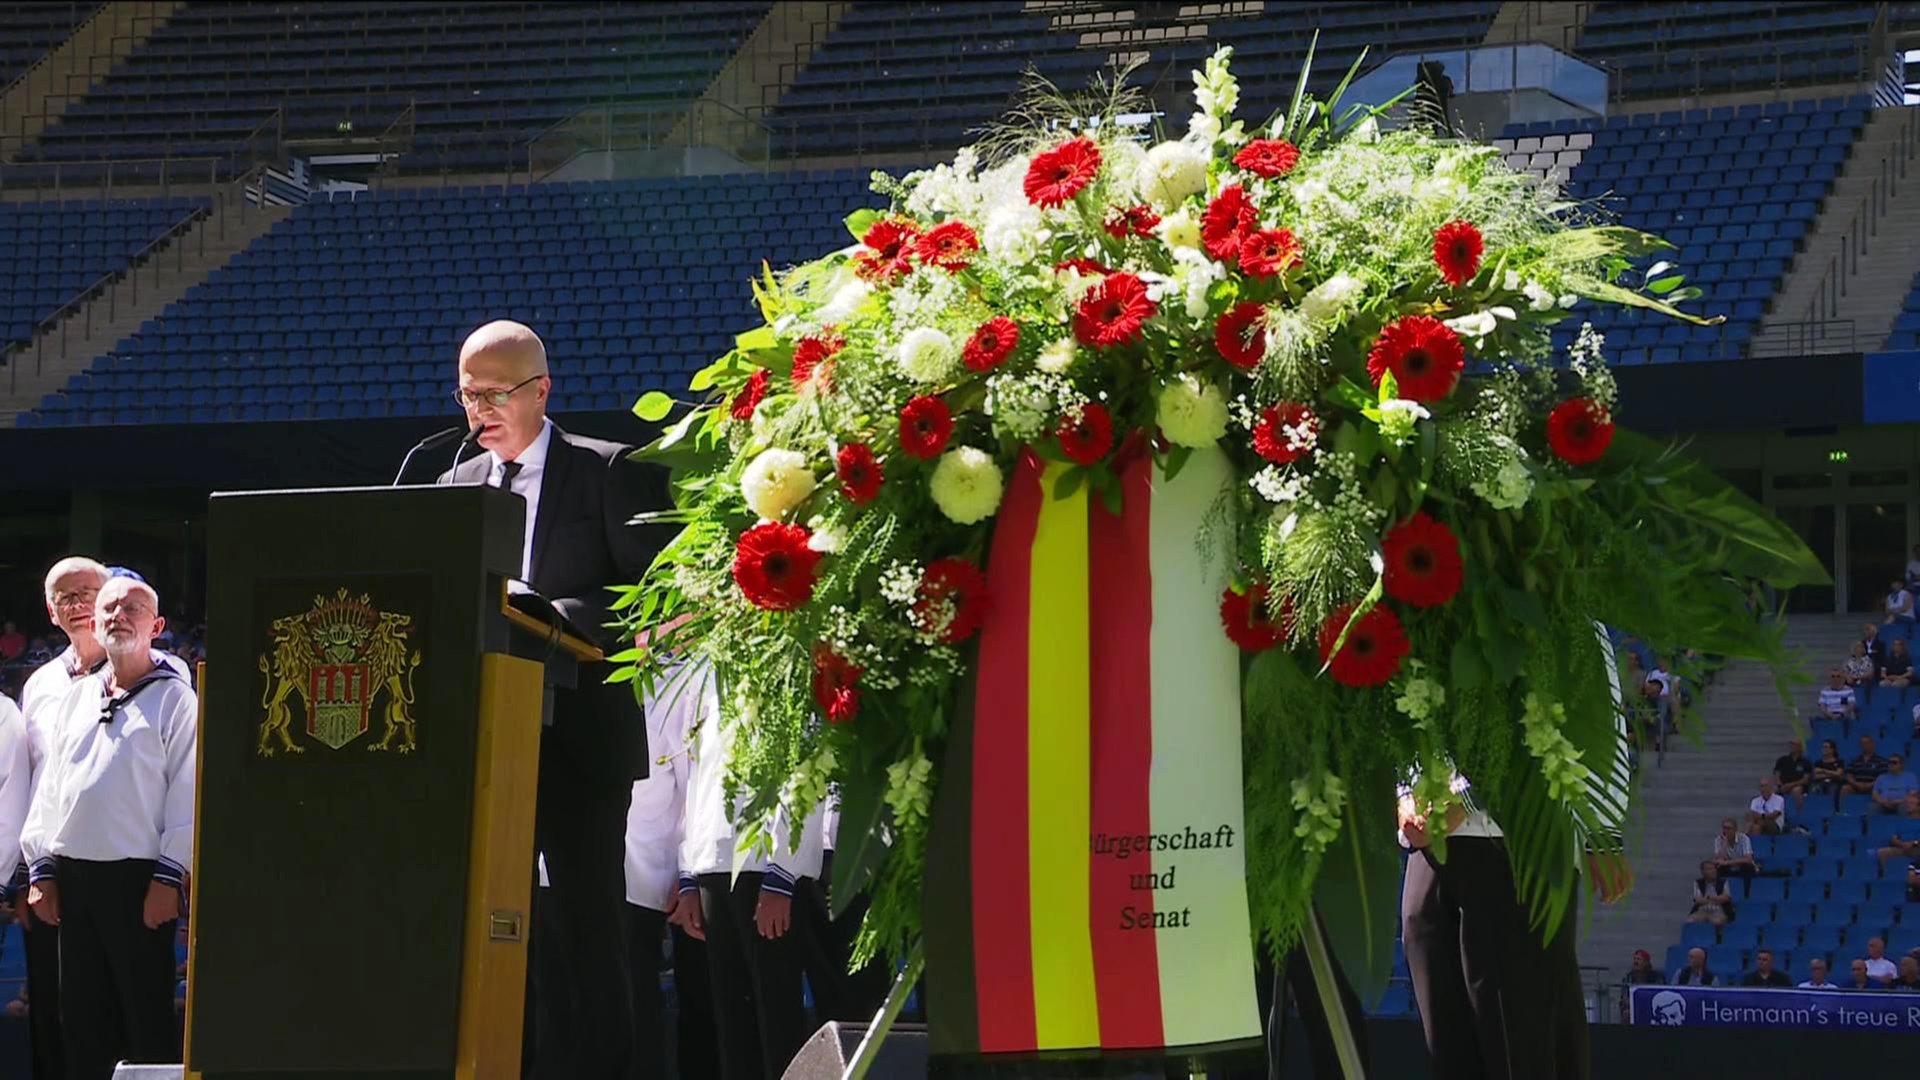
1436	508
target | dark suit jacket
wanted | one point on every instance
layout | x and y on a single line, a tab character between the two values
582	543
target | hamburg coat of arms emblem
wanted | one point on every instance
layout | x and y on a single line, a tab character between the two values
339	657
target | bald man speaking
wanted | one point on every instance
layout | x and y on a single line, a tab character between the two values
580	493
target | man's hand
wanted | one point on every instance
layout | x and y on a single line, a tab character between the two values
683	911
773	914
163	904
44	897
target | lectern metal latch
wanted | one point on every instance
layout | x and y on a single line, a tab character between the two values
506	926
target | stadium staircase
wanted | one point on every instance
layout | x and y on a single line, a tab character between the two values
727	112
1554	23
70	345
42	94
1679	803
1846	287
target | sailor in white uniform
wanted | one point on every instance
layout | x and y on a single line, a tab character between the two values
109	839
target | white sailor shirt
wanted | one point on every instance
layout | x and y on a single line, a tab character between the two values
656	818
16	775
118	780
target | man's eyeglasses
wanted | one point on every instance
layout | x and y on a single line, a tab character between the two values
83	598
496	398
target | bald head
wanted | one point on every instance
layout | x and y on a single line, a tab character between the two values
504	385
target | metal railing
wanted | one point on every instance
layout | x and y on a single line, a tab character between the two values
621	128
1862	229
165	175
38	69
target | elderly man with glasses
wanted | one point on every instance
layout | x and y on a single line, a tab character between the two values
581	496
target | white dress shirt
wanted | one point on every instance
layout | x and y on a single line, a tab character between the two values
709	846
119	776
16	776
526	484
656	816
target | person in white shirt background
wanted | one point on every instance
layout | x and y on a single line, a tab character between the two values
71	588
1767	811
745	909
656	825
1880	969
109	839
16	775
1899	603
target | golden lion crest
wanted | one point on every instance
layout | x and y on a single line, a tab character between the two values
338	656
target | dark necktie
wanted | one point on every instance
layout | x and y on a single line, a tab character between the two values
508	470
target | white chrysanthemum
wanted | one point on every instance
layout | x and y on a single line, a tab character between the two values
1171	172
967	485
1192	413
1331	297
927	355
1179	231
776	482
1057	357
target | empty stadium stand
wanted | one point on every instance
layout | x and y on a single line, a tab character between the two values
922	75
1670	50
1734	188
1906	328
480	80
30	30
355	307
56	250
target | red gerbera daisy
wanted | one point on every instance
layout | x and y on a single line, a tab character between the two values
925	425
953	599
1089	267
1285	432
1058	174
1579	430
1087	435
1125	221
750	395
1249	621
810	354
990	345
1373	650
1266	252
1422	560
1228	217
1113	312
890	244
1424	355
1238	335
949	245
774	567
1456	250
860	473
1268	157
835	684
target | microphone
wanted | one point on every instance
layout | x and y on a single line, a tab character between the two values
437	439
473	436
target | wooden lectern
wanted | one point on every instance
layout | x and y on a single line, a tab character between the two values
363	859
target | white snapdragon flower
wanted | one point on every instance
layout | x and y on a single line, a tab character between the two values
927	355
1398	418
1477	325
1171	172
1192	413
824	538
1215	89
1539	297
1197	275
775	482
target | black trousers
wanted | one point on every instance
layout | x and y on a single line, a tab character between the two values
581	993
1495	1001
696	1047
698	1043
759	1010
43	993
116	975
838	993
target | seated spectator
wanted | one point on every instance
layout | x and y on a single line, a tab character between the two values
1640	974
1793	772
1859	666
1836	700
1897	672
1880	969
1712	903
1892	787
1864	771
1857	978
12	642
1733	852
1829	773
1817	975
1767	811
1695	973
1904	844
1763	973
1899	603
1909	978
1875	649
